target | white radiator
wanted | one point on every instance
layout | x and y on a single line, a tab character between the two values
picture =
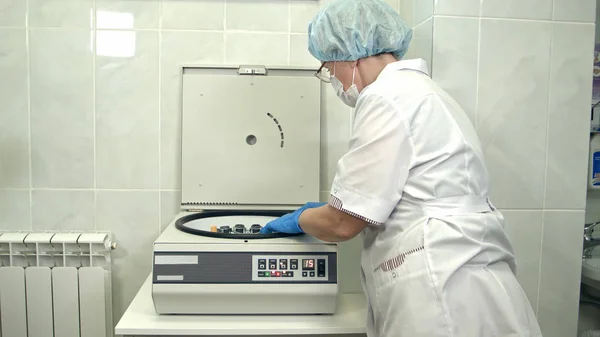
55	284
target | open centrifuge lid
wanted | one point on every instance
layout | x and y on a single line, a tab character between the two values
251	138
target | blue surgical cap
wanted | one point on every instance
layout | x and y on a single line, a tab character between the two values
348	30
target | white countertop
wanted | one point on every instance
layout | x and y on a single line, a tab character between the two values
140	319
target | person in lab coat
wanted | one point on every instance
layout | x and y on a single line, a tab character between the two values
435	260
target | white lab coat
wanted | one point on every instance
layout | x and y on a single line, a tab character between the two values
436	260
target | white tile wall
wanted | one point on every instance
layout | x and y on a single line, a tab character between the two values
423	10
14	117
61	73
568	116
133	218
575	10
63	209
127	110
592	210
458	7
301	12
524	228
257	48
558	305
415	12
114	14
455	64
13	13
193	15
273	16
15	210
419	15
61	13
513	108
422	43
517	9
523	71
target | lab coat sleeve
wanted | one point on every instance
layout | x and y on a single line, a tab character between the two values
370	177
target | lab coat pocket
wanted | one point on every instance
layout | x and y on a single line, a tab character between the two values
407	302
400	266
398	257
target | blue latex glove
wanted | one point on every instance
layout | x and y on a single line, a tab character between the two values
289	222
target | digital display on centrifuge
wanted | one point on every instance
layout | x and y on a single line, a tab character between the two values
308	264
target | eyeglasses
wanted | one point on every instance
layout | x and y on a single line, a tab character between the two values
323	74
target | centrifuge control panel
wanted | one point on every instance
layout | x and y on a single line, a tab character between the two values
282	268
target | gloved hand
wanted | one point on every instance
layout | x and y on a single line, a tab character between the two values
289	222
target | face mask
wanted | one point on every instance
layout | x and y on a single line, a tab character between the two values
350	96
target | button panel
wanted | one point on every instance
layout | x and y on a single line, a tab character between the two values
262	264
272	264
289	268
321	268
238	229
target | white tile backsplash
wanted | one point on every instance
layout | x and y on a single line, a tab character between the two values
592	208
170	206
455	54
517	9
14	110
302	12
559	291
117	14
257	48
127	117
193	14
61	13
575	10
15	210
512	108
132	218
457	7
272	16
422	43
407	11
63	210
62	110
13	13
524	229
569	123
423	10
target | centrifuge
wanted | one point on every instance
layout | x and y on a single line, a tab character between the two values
250	154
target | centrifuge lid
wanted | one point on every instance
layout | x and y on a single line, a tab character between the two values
259	149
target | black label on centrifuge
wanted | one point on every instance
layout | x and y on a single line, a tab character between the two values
226	267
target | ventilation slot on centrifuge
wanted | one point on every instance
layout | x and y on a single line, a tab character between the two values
209	203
